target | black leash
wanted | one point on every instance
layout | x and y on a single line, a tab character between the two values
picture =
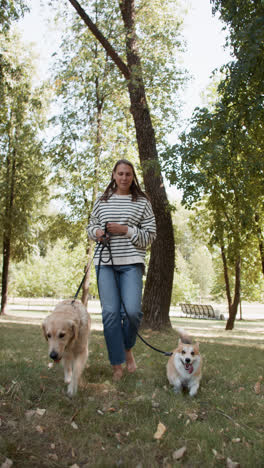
105	244
85	273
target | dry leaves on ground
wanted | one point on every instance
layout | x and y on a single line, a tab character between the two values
232	464
178	454
7	463
160	431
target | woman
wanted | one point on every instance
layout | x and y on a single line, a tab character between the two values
125	212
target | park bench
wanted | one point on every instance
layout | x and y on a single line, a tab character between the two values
201	311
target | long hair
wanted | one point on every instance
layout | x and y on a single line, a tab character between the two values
135	189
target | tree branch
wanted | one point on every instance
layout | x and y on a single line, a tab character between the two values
100	37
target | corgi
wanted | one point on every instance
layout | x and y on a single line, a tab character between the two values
184	367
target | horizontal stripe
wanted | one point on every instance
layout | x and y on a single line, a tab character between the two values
135	214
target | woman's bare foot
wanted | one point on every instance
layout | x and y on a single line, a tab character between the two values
130	361
118	372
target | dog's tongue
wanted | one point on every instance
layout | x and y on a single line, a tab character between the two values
189	367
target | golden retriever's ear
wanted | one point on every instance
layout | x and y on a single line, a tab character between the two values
74	327
44	330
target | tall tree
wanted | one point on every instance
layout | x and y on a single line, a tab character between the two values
22	168
11	10
156	301
94	121
243	88
222	154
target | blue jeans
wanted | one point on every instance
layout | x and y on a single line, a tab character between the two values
119	330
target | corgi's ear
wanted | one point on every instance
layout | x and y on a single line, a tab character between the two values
196	346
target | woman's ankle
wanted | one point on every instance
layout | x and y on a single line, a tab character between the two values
130	361
117	372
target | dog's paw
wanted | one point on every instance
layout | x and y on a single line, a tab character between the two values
71	390
177	389
193	391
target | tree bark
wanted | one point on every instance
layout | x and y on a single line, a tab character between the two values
10	187
86	283
157	294
98	148
227	285
234	305
260	241
5	270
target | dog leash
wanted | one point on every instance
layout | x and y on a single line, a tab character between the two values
105	244
85	273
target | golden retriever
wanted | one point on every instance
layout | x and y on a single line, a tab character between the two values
67	330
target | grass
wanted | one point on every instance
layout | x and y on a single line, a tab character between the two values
111	425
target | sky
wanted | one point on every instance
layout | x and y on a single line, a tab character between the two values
202	31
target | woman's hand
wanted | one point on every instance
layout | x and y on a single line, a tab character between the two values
99	235
115	228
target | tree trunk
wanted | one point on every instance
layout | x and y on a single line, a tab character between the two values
158	287
5	269
227	285
157	294
260	242
234	306
10	187
97	152
86	283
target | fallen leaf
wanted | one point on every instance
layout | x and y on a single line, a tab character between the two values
39	429
193	416
231	464
257	388
7	463
178	454
217	455
118	437
30	413
235	441
160	431
40	412
100	412
155	404
74	425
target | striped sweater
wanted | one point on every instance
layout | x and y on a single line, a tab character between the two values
137	215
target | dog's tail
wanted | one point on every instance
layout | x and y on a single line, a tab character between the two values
185	338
